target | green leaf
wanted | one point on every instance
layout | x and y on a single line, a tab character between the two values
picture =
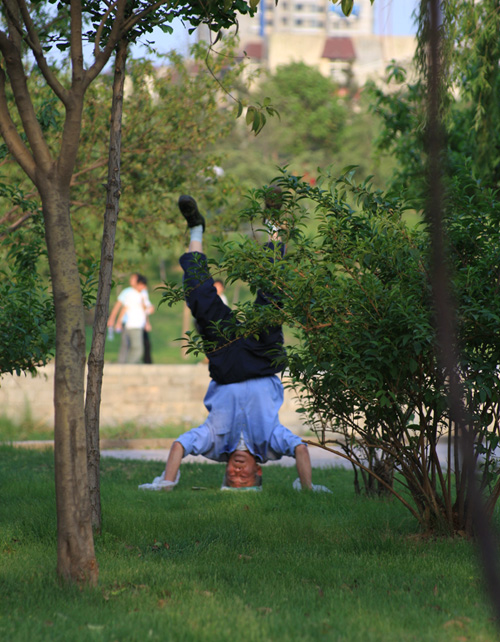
256	121
347	6
250	117
259	122
348	169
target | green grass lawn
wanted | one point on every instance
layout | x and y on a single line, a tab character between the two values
207	565
27	429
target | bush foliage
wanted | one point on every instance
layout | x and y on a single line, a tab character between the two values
355	287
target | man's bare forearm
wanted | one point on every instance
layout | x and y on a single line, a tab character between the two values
303	463
174	461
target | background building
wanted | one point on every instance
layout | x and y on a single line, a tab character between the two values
317	33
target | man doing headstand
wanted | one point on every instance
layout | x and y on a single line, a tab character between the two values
245	394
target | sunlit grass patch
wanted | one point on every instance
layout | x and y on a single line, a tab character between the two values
207	565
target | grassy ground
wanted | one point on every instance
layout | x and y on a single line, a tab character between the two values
207	565
27	430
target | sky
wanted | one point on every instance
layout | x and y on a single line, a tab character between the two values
392	17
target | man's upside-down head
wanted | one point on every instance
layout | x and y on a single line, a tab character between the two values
242	471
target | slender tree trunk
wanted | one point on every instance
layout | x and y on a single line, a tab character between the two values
475	518
75	551
96	356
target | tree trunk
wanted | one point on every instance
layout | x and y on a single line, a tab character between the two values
75	550
96	356
476	517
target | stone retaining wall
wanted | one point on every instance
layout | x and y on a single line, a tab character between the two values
145	395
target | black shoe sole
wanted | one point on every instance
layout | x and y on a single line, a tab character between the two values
190	212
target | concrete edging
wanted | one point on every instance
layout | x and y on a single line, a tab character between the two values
141	395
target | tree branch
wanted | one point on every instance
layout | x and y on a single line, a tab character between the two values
6	218
15	226
134	19
102	57
370	472
100	28
120	28
9	132
17	78
33	42
78	73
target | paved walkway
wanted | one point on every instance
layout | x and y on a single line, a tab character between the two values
319	458
158	449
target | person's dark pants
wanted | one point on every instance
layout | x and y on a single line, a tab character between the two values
202	299
232	356
147	358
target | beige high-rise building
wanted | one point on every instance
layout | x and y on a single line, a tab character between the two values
317	33
319	18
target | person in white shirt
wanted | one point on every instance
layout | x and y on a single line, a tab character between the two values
134	308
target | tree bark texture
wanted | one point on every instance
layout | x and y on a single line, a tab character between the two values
472	512
75	546
51	173
75	551
96	356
